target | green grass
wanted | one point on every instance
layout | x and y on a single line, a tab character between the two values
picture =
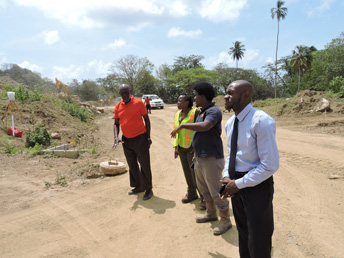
272	106
7	146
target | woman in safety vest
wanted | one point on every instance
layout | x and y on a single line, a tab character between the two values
182	145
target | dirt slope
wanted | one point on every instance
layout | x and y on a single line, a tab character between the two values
96	217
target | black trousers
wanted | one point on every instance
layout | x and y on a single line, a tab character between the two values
149	108
136	151
253	214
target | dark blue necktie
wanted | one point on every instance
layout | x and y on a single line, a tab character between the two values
234	145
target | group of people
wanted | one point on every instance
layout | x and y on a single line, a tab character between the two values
245	175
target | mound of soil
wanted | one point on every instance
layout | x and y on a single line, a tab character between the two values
308	101
45	114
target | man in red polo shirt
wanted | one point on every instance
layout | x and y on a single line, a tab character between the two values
135	140
148	106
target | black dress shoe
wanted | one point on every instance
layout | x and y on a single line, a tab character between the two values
148	194
136	190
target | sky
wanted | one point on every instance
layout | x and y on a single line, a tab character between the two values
82	39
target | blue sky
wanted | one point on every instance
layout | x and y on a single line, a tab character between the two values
81	39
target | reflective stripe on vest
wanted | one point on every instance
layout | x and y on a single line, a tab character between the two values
184	133
189	131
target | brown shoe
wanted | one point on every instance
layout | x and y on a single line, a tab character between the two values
189	198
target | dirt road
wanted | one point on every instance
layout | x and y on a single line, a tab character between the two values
97	218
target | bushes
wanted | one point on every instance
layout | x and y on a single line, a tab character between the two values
7	146
21	94
37	136
75	110
337	86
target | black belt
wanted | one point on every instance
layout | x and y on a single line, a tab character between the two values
240	174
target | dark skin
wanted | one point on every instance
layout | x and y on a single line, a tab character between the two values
124	91
204	126
238	96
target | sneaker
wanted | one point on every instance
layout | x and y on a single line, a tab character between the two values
136	190
148	194
189	198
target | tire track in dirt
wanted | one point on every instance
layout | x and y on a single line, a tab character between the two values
308	210
80	228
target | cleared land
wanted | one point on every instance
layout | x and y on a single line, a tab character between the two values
94	217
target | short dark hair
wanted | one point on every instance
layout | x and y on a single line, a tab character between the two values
206	89
187	97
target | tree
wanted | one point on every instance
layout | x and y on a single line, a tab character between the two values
237	52
187	63
279	12
132	70
326	65
301	60
89	90
184	81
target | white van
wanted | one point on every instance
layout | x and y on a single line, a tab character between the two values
155	102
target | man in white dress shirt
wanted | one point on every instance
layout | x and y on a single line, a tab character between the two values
248	176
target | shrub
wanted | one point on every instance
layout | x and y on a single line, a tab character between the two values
37	137
75	110
337	86
37	149
8	147
21	94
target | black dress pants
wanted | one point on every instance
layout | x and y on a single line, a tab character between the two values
136	151
253	214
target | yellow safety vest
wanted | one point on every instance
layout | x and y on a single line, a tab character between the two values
184	137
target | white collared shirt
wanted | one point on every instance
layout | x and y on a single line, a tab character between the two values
257	150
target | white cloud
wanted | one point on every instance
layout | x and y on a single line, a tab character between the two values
250	57
118	43
98	14
90	14
139	26
324	6
178	8
32	67
74	12
64	73
222	10
270	60
3	3
99	67
178	32
222	57
50	37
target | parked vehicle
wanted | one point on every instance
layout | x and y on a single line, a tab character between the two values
156	102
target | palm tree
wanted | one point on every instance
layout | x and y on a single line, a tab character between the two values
279	12
237	52
302	60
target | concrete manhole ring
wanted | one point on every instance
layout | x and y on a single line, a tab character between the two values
112	167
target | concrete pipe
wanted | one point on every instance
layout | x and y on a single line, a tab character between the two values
112	167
